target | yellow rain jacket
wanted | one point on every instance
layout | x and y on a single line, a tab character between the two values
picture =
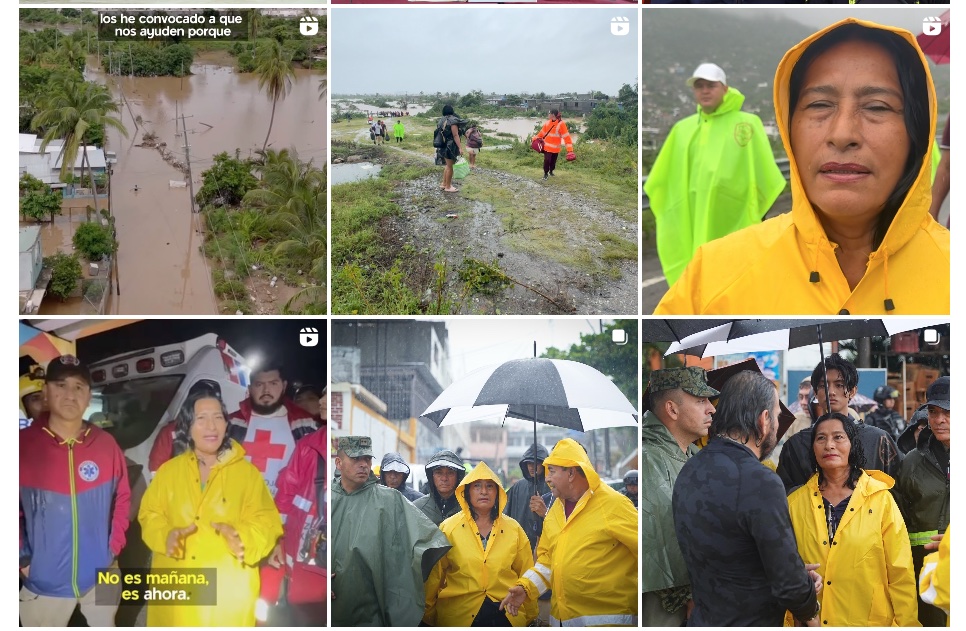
235	494
787	265
867	569
467	574
934	578
589	560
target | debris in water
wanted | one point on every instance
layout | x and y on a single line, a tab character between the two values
452	216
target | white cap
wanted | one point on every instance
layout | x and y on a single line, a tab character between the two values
708	72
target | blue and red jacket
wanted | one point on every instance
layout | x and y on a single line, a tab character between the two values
74	503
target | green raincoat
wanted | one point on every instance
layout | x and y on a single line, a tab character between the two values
715	175
382	550
663	565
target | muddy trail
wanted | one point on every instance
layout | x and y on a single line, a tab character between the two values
516	245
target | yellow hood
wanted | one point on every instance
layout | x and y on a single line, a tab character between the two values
788	265
480	472
914	209
569	453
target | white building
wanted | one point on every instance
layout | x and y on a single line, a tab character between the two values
46	166
31	257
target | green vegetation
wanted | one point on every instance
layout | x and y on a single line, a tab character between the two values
65	274
68	109
94	241
276	223
273	65
37	200
149	59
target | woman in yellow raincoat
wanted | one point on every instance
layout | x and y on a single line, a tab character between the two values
209	508
846	520
856	109
490	552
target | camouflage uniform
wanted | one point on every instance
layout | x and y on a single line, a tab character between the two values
665	584
732	522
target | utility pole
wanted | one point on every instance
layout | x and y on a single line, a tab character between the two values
187	159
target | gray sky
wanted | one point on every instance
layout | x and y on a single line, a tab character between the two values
819	16
475	343
503	50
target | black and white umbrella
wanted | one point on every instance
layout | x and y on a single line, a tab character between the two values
554	392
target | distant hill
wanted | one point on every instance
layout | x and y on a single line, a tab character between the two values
749	49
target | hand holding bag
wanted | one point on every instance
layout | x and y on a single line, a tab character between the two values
461	169
537	143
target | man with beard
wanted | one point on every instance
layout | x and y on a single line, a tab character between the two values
732	521
267	423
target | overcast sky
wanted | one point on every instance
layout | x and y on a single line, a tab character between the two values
476	343
909	17
502	50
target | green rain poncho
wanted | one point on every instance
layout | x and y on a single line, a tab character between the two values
715	174
382	549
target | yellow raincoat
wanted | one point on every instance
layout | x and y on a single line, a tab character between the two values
934	578
589	560
467	574
235	494
868	575
769	268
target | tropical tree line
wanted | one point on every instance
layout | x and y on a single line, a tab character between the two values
268	213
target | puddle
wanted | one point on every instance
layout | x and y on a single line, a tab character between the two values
345	173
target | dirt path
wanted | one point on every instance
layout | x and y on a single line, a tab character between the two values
556	243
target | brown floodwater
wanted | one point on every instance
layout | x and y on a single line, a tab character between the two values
160	263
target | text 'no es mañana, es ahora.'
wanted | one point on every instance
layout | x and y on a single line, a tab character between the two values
186	587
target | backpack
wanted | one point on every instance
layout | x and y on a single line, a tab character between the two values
475	139
439	141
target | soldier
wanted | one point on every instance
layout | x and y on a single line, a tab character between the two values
680	413
383	547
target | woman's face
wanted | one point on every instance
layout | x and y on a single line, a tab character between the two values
208	430
831	444
483	494
848	134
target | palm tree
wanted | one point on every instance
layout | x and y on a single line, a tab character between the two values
69	110
31	49
72	52
292	196
254	21
273	65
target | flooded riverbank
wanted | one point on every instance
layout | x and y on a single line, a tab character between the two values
161	265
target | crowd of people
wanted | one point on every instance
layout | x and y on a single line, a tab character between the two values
558	546
240	493
861	225
837	536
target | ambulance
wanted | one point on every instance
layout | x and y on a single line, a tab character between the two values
134	394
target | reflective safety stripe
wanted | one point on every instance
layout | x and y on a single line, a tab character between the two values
302	503
590	621
284	517
921	538
537	580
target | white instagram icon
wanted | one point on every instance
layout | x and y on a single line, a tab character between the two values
620	26
309	337
932	26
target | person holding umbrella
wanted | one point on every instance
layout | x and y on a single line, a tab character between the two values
859	233
490	552
847	521
588	551
521	497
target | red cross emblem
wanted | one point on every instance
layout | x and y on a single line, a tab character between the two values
261	450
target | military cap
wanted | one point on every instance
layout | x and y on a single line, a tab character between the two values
356	446
693	380
938	393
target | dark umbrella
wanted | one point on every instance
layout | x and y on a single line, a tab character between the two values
675	329
936	47
717	379
554	392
